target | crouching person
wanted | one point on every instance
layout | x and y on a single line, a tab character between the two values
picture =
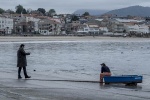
105	71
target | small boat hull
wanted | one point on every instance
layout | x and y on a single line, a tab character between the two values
126	79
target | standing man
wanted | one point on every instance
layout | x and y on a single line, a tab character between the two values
105	71
22	62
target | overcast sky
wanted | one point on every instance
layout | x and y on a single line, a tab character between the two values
69	6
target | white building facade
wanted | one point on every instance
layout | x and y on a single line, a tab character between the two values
83	29
88	28
137	29
35	20
6	25
48	27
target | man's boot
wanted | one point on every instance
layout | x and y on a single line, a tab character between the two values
27	76
19	77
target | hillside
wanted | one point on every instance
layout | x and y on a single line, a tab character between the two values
132	10
91	11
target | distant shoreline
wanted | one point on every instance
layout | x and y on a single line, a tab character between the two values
69	38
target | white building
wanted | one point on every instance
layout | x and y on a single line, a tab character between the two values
83	29
88	28
103	29
93	28
129	20
137	28
143	29
32	19
49	27
6	25
129	26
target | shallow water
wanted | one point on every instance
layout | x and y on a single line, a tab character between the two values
81	60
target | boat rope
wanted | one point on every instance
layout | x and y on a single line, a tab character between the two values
68	80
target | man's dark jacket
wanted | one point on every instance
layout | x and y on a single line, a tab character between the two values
21	58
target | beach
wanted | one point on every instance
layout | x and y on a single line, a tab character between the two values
56	59
67	38
30	89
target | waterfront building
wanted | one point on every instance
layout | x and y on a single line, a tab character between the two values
124	25
48	27
83	28
103	29
6	25
137	29
88	29
35	22
93	29
25	23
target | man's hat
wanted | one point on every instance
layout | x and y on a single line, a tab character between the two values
103	64
21	45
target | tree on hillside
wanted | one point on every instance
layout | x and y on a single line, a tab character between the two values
51	12
42	10
19	9
74	18
86	14
24	11
1	11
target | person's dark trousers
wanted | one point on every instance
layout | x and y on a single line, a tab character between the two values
24	70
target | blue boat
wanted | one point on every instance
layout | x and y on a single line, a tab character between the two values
126	79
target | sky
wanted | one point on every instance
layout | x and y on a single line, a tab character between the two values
70	6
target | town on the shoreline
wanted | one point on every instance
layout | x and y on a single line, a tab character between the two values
35	22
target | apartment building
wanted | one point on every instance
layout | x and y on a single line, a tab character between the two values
6	25
48	27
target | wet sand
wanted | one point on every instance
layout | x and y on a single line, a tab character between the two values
37	88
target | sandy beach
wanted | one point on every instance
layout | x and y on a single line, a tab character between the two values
44	87
67	38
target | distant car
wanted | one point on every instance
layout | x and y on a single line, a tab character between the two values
70	34
80	34
63	33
